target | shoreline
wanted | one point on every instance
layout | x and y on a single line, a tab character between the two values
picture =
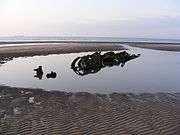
154	46
9	52
80	42
66	47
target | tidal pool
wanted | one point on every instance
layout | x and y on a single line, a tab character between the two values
154	71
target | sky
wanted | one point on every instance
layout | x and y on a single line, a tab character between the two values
101	18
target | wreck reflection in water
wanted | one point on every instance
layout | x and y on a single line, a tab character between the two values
91	64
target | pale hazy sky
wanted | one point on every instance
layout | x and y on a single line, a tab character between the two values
118	18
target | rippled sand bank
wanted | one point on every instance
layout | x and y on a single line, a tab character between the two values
27	111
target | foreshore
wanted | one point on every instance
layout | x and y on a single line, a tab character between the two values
157	46
46	48
9	52
32	50
35	111
12	50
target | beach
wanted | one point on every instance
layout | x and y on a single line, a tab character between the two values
61	48
157	46
36	111
89	67
32	50
9	52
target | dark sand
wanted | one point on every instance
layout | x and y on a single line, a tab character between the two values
38	112
157	46
60	48
9	52
32	50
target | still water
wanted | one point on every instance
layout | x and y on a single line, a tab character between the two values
154	71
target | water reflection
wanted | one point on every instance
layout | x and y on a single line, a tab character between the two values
90	64
51	75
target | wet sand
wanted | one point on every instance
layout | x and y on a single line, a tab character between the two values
32	50
28	111
61	48
9	52
157	46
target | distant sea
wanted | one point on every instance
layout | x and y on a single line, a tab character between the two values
82	39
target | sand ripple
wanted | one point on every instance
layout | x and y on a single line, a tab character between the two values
38	112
